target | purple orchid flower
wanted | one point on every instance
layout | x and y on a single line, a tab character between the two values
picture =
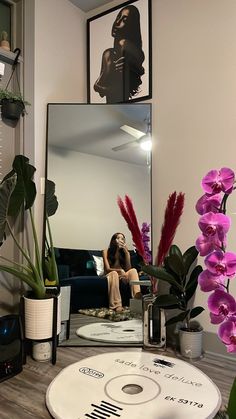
206	245
209	282
145	229
212	224
217	181
221	305
208	204
227	333
220	263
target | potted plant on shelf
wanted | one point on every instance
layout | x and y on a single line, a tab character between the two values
12	105
17	194
179	272
4	43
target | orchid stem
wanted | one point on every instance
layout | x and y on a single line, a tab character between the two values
227	286
223	203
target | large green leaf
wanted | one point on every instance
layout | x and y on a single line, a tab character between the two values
37	287
51	199
189	257
231	410
168	269
10	174
160	273
196	311
176	265
6	190
175	250
25	190
193	282
166	300
181	317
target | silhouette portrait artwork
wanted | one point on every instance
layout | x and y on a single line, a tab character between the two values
123	63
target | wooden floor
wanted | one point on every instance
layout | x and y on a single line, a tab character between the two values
23	396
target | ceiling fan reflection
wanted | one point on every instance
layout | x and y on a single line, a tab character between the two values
142	139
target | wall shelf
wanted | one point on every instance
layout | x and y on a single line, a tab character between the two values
9	56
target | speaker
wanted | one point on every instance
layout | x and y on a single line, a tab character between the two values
11	346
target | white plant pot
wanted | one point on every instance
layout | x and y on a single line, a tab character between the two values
42	351
65	302
39	317
190	343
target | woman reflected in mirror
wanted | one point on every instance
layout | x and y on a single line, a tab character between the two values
117	265
121	68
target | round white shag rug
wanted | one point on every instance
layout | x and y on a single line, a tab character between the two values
129	331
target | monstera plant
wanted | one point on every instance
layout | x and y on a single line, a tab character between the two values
17	194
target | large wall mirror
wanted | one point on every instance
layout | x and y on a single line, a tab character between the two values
94	154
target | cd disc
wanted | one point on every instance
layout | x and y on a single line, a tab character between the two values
132	385
143	389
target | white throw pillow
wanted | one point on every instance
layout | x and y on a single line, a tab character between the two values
99	265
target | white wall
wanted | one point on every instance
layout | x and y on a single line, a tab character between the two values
194	107
88	213
60	70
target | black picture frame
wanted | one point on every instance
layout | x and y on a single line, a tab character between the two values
119	63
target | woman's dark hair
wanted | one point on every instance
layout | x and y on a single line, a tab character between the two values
132	32
112	251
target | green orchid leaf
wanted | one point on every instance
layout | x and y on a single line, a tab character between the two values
160	273
168	269
196	311
166	300
175	250
176	265
189	257
25	190
176	291
231	409
181	317
6	189
51	199
193	282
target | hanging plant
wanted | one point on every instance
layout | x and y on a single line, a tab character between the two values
12	103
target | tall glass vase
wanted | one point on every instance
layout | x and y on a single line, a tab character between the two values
154	330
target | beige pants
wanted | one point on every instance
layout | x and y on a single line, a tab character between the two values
113	286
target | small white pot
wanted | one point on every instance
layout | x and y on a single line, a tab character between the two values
39	317
190	343
42	351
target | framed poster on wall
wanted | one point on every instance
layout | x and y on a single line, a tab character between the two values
119	54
